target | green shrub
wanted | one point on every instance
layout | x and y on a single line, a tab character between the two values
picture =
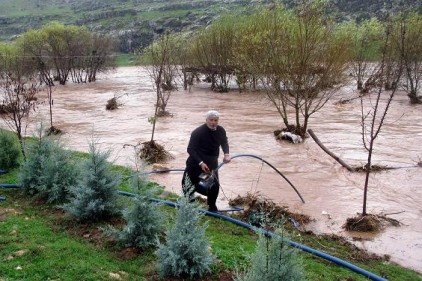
186	251
273	260
9	150
143	220
94	197
48	170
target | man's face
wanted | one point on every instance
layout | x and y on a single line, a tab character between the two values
212	123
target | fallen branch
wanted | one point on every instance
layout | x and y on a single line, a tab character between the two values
314	137
388	214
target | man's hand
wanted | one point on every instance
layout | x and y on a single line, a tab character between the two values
205	168
227	158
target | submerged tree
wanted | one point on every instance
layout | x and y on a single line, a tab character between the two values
373	118
366	40
407	39
59	52
301	61
211	51
163	71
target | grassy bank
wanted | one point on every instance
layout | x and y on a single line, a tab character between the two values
38	242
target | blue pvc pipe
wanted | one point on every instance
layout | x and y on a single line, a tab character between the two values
3	171
10	185
2	198
304	248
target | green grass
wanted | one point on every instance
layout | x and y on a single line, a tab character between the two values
32	250
22	8
127	60
37	244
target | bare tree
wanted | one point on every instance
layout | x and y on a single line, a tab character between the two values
18	88
302	60
163	71
373	118
34	46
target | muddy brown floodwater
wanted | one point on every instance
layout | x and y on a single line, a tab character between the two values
332	193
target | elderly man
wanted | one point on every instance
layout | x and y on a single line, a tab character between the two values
201	165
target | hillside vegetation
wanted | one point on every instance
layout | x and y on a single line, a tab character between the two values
136	22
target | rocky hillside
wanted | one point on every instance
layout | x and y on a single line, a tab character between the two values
136	22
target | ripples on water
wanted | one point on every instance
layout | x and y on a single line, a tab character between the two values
327	187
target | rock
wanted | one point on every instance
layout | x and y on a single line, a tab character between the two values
159	167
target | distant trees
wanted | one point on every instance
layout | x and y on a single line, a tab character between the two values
212	51
297	58
404	47
63	51
55	53
365	39
407	41
300	58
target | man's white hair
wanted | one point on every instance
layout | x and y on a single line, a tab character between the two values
212	114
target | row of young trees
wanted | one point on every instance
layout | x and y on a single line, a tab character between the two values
41	57
403	48
300	58
58	52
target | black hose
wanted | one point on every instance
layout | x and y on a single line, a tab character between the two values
266	162
162	171
220	165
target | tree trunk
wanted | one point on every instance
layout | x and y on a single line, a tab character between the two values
367	173
311	133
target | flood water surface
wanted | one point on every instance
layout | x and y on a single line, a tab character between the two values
331	193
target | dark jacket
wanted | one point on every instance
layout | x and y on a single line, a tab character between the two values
204	145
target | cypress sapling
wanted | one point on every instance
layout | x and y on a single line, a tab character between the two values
273	260
143	219
94	197
186	251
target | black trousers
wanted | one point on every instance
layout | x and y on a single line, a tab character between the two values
211	193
